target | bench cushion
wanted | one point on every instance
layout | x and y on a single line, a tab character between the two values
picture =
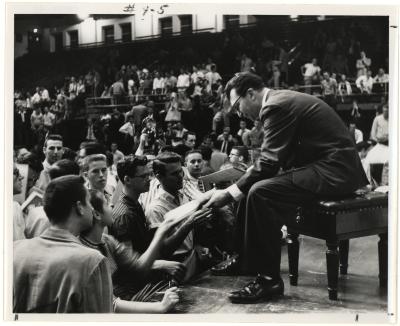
368	200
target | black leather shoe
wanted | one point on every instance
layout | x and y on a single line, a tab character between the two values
230	267
258	290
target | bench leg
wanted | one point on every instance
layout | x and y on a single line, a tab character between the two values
332	266
344	256
383	259
293	257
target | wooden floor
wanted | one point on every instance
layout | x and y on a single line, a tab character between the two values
359	291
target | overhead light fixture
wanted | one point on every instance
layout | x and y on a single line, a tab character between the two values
294	17
320	18
35	30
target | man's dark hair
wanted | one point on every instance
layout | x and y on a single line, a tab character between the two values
63	167
53	137
186	134
128	165
206	152
69	154
193	151
94	148
61	195
241	82
242	151
164	158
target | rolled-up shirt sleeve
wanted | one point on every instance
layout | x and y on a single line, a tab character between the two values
280	126
98	293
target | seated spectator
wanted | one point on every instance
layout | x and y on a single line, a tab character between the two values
356	133
363	64
246	63
179	129
68	276
311	72
206	153
48	120
256	135
95	172
329	89
381	81
379	154
225	141
365	82
189	139
243	134
121	258
18	218
344	87
117	155
168	170
238	158
53	150
196	75
37	97
192	185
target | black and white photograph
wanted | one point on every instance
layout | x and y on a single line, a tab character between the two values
192	162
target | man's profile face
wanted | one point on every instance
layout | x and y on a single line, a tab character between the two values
97	175
173	177
247	105
194	164
141	180
17	182
234	156
190	141
53	151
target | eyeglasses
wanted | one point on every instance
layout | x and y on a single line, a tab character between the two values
16	173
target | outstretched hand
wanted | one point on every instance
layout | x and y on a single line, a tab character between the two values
218	199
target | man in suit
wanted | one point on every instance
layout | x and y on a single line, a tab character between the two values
306	139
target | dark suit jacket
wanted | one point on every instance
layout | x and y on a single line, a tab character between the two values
303	134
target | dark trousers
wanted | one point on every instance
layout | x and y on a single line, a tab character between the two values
260	219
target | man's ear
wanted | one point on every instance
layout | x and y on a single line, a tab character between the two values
241	158
96	216
85	174
44	150
79	208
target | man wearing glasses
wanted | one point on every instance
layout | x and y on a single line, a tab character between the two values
306	139
53	150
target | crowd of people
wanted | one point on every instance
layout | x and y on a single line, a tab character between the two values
96	238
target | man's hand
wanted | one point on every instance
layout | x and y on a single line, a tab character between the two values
176	269
218	199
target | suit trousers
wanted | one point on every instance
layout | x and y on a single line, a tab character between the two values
260	218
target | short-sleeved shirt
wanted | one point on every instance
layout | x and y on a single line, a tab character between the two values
311	70
129	224
55	273
162	205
